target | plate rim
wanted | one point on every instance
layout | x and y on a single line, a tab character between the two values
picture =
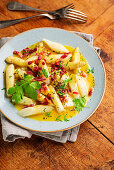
101	96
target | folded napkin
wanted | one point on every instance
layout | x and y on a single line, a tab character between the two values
11	132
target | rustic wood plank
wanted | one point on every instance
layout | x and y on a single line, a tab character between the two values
91	151
104	116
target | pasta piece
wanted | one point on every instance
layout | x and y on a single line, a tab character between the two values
76	55
38	109
82	86
68	101
72	65
9	77
44	67
56	99
56	46
26	101
19	73
16	61
73	86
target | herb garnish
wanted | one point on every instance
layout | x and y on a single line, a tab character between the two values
26	86
58	119
45	73
65	119
79	103
67	80
10	76
48	114
59	52
67	63
60	93
44	109
51	58
90	70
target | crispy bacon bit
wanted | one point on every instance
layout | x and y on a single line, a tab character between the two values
90	91
45	88
39	68
64	56
75	92
38	79
67	53
18	53
30	62
29	72
31	51
43	63
62	98
36	62
83	74
44	59
35	70
31	105
39	57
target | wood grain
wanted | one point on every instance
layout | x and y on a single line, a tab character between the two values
93	148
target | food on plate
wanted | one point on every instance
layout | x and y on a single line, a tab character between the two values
48	81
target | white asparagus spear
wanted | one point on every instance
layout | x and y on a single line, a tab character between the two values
38	109
9	77
56	100
57	47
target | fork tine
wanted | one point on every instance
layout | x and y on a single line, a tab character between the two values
72	6
73	10
75	19
76	13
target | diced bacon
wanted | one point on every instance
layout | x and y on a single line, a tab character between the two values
75	92
39	57
64	56
38	79
90	91
29	72
83	74
36	62
30	62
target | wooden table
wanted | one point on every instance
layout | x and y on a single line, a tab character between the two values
94	146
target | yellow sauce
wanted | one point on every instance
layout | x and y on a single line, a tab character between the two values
69	112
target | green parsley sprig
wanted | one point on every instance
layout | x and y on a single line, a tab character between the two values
79	103
24	86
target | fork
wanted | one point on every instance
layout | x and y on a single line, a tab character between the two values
65	12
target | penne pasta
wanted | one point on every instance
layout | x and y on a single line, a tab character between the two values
55	46
38	109
56	100
15	60
9	77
